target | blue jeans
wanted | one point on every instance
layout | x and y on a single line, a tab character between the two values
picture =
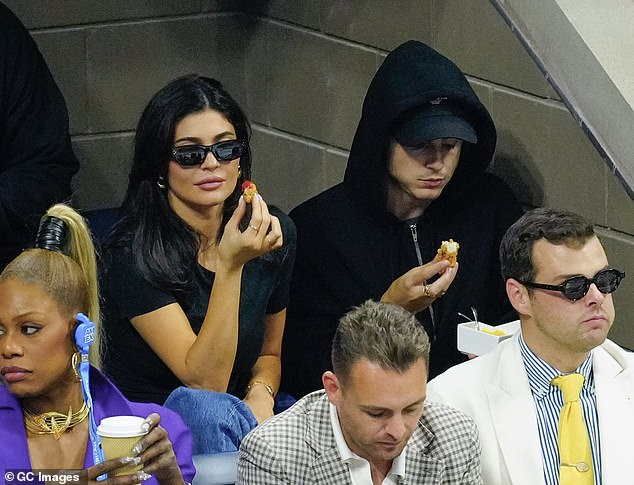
218	421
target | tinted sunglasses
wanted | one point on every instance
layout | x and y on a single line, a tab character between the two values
224	152
576	287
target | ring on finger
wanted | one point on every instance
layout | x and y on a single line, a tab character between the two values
256	228
427	291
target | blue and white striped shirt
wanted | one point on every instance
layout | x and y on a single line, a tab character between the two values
548	403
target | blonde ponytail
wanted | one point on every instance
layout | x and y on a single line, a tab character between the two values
68	274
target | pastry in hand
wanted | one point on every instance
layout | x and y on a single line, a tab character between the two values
449	250
249	190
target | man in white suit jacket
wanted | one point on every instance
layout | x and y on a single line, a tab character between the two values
542	250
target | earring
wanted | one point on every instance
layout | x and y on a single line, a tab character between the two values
161	182
75	365
239	171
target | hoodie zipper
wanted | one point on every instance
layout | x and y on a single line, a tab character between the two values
414	230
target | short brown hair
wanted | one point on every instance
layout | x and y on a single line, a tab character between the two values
383	333
555	226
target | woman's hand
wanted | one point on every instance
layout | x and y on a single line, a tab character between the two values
411	290
263	234
154	452
260	402
110	467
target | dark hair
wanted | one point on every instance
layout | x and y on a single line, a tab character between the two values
165	246
383	333
556	226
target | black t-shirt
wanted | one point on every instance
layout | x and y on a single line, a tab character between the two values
129	361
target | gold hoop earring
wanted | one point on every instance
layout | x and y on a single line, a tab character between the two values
239	171
161	182
75	365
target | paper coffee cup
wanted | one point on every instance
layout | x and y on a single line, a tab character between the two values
118	435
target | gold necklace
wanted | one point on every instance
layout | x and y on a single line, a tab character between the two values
53	422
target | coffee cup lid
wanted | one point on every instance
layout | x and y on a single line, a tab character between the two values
121	427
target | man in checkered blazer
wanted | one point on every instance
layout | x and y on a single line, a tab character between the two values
370	424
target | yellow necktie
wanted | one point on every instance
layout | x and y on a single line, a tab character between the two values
575	455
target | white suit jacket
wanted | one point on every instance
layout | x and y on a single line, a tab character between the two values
494	390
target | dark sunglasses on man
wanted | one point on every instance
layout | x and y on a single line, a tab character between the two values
576	287
224	152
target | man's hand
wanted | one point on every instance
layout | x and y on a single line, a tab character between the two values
411	290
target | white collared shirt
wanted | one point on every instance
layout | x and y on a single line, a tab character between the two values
358	467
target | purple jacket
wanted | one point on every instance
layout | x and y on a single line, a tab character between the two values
107	401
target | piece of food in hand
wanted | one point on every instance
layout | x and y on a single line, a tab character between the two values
249	190
449	250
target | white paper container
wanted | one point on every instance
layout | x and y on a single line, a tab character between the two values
477	342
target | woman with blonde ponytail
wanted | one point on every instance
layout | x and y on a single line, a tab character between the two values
52	399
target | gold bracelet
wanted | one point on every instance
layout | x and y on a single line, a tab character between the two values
268	388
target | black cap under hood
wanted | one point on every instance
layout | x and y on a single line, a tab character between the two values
411	76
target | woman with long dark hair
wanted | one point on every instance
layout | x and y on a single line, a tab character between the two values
195	280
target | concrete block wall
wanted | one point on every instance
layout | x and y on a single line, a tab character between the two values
300	70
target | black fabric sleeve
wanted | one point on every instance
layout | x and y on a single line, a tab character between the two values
509	210
36	161
311	322
125	287
279	298
315	307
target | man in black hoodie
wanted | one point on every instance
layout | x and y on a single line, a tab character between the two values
415	177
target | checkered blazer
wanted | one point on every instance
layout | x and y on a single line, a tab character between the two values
298	447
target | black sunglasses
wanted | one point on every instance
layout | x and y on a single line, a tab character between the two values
576	287
224	151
